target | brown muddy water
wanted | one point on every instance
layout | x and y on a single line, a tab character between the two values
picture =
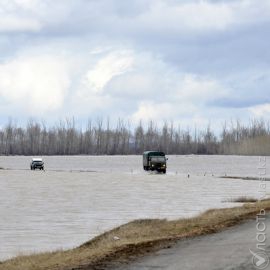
79	197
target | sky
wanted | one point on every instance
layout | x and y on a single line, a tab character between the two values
192	62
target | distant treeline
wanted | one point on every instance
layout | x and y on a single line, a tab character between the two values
100	138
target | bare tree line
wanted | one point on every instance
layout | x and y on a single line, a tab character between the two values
99	137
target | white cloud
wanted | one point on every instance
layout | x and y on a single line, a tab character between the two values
152	111
139	86
37	84
151	79
14	23
136	63
17	15
114	64
260	110
160	17
198	89
142	86
162	111
33	15
188	16
122	83
27	4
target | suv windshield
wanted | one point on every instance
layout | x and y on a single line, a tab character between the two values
158	159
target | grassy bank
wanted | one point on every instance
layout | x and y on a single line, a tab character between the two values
134	239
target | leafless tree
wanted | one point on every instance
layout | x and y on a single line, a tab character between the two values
65	138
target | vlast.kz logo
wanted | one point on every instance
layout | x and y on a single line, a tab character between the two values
260	260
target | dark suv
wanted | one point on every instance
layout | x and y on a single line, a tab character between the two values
37	163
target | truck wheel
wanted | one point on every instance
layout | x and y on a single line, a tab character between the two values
164	171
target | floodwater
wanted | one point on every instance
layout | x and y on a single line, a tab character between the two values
79	197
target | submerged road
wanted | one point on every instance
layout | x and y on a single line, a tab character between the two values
226	250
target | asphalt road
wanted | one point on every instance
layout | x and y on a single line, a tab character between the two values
227	250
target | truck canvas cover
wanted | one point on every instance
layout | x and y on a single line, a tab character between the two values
153	153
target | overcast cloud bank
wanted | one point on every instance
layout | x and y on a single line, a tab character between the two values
188	61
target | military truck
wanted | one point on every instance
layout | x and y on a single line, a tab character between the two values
154	161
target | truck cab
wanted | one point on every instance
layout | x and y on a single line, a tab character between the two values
154	161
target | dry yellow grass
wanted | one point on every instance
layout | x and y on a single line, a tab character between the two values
135	238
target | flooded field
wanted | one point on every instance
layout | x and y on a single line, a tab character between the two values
79	197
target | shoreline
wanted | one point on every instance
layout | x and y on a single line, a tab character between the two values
136	239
